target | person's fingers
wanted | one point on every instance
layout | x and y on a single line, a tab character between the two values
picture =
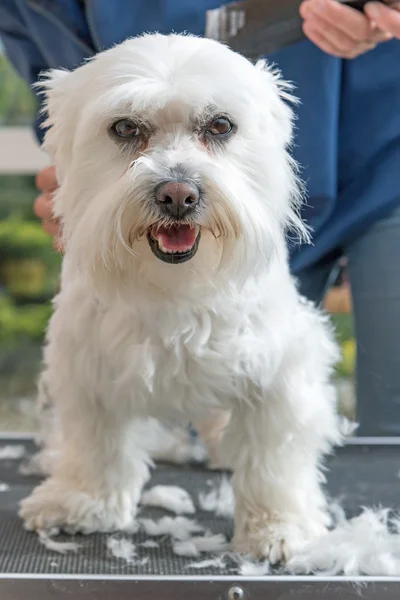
46	179
51	227
339	30
332	14
43	206
336	45
57	244
385	18
342	32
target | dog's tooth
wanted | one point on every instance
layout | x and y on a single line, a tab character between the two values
168	251
162	247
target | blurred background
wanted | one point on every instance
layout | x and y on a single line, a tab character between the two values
29	267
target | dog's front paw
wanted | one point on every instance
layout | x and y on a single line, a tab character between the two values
274	539
57	505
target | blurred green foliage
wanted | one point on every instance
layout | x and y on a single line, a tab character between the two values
17	193
344	328
23	321
20	238
29	267
17	103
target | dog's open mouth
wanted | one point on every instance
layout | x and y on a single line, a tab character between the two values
174	244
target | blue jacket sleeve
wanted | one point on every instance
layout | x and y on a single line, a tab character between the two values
20	49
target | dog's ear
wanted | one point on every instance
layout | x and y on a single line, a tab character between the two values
281	100
55	88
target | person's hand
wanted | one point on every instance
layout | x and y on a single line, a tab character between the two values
340	30
386	19
46	183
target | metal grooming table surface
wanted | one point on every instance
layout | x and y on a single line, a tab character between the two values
360	474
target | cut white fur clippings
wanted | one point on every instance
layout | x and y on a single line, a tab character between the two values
337	513
172	498
122	548
216	563
364	545
219	500
252	569
31	467
347	427
194	546
133	528
150	544
54	546
185	548
12	452
213	543
179	528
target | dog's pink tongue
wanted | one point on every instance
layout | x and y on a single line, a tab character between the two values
177	238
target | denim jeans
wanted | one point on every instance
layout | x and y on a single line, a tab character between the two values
374	272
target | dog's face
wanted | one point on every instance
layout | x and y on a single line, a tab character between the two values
171	157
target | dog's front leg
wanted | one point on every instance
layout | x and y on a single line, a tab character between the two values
99	473
277	478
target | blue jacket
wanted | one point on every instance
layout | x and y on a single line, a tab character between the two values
348	130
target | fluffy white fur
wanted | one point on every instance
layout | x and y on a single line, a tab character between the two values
133	337
14	452
365	545
220	499
160	441
216	563
169	497
54	546
150	544
214	544
179	528
122	548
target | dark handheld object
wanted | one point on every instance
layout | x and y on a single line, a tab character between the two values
359	4
258	27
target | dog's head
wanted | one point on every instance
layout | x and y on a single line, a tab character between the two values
171	154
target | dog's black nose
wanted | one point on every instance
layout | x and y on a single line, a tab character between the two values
176	198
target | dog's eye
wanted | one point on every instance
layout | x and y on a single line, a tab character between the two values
126	129
220	126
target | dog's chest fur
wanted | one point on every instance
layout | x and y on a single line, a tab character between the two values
188	362
178	358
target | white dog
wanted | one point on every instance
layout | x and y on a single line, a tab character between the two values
176	190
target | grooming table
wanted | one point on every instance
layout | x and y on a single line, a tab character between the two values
363	473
